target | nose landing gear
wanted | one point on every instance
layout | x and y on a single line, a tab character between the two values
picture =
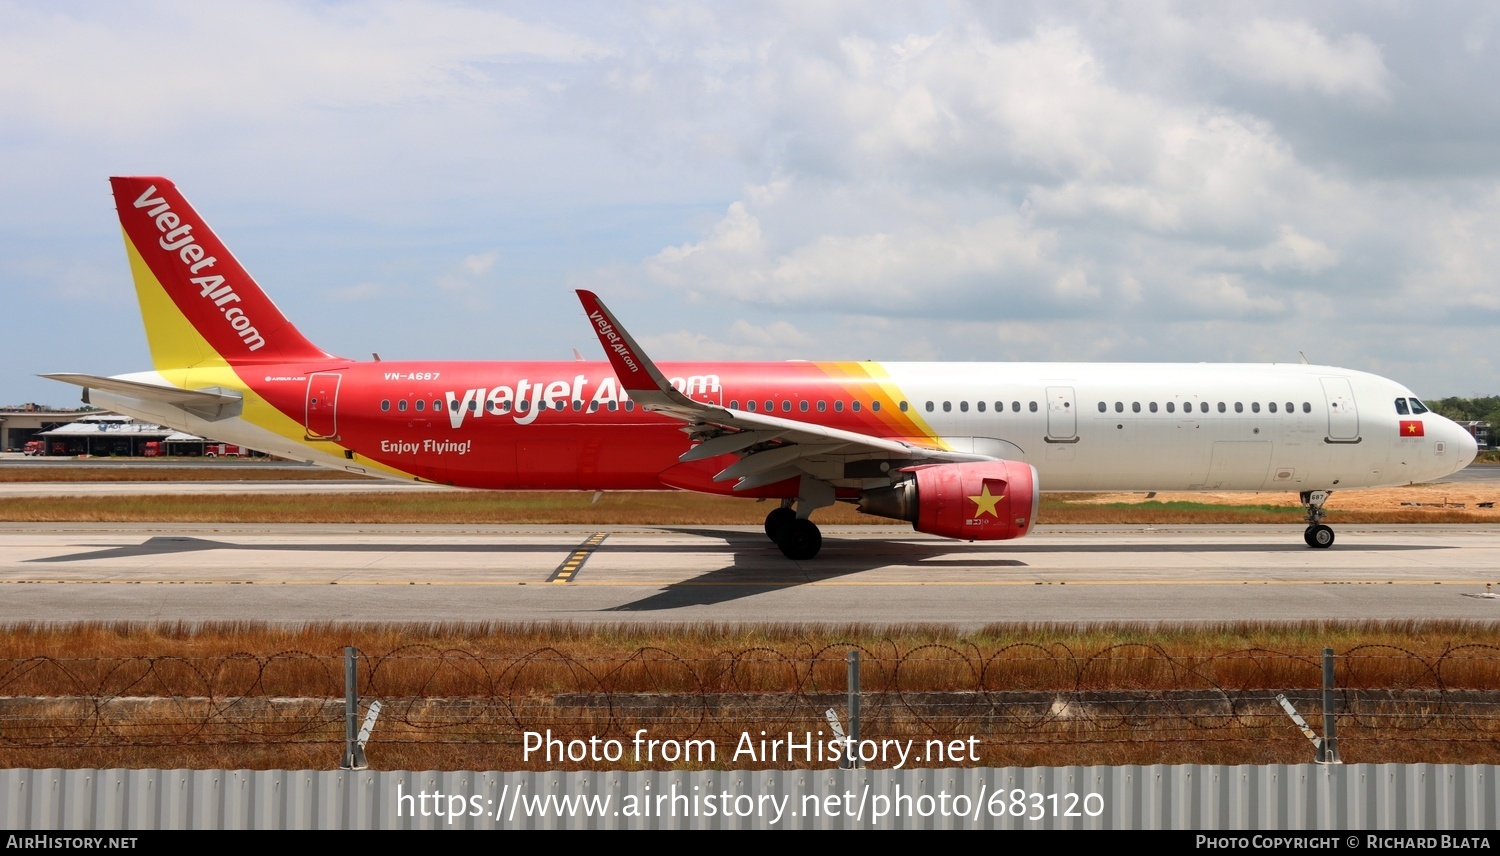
1318	534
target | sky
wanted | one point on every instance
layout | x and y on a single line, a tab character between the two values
997	181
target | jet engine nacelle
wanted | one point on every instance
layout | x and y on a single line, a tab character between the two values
982	501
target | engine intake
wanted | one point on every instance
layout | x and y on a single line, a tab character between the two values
982	501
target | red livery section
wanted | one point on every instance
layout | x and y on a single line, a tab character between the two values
561	425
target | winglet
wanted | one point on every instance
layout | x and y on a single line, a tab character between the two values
638	375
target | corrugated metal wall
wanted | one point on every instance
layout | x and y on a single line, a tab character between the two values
1288	797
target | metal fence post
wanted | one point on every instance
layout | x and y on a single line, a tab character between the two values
853	745
353	756
1328	749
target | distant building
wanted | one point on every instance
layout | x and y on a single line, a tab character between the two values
22	423
105	434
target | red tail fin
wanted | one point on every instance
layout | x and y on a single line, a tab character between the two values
174	254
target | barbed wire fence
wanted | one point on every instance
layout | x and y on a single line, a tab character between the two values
1016	702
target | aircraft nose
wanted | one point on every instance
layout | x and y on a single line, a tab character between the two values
1463	444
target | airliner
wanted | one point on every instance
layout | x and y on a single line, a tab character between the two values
960	450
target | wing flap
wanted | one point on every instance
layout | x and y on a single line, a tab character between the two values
726	443
779	474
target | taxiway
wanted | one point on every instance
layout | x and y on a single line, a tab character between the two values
865	574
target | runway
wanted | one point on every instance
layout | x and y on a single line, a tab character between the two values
865	574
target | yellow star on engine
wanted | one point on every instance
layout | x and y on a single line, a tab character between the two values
985	502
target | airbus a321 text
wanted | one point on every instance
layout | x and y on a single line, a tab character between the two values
959	449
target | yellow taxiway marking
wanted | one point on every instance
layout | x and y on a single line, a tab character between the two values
566	571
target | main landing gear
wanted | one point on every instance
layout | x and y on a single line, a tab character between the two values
798	537
1318	535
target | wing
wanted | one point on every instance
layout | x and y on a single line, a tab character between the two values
771	448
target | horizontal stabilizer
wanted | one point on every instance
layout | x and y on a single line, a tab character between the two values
212	403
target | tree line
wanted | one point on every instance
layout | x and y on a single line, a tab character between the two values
1486	409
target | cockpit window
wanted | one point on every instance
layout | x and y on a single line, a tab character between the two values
1417	406
1401	407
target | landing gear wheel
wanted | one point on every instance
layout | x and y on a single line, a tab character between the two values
777	521
800	540
1318	535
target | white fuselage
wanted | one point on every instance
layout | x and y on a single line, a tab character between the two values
1158	426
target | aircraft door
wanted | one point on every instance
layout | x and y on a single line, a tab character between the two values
321	416
1062	415
1343	416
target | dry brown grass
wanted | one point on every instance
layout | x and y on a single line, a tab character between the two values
1451	502
514	639
471	507
459	696
671	507
168	470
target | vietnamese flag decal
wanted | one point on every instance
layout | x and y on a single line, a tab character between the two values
1411	428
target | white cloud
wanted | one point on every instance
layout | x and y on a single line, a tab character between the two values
1296	56
1227	295
890	270
743	340
778	337
473	280
479	263
1458	275
201	69
885	270
1033	120
1206	172
1294	251
960	100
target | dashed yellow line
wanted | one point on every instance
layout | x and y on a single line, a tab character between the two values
575	560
